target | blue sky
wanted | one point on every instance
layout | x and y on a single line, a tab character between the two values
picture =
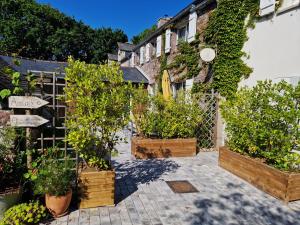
132	16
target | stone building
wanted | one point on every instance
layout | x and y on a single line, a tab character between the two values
146	56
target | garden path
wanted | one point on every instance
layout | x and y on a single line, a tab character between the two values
144	198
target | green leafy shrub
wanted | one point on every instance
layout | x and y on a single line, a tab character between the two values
24	214
12	163
263	122
155	117
99	107
51	175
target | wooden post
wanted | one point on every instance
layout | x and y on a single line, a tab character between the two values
29	142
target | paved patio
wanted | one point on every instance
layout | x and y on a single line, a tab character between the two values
144	198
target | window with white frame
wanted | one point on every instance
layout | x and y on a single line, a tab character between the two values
177	87
182	34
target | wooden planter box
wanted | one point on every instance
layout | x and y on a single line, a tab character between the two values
282	185
163	148
96	188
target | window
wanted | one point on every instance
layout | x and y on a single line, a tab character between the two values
182	34
177	87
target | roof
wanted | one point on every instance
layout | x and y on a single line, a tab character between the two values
32	64
112	57
195	5
130	74
127	47
134	75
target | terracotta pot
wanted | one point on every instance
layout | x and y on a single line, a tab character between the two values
58	206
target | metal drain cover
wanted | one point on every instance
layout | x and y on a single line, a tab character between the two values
181	186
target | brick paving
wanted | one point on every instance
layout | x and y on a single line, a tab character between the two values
144	198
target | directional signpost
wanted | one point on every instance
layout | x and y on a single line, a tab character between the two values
27	121
25	102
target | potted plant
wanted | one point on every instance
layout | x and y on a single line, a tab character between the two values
165	128
11	169
262	146
53	176
100	102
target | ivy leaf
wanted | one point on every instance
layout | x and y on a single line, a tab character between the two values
5	93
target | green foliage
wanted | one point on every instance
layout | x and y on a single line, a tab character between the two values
263	122
52	173
24	214
11	159
188	59
54	177
176	118
228	32
140	37
99	107
39	31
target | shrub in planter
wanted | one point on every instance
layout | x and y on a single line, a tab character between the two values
100	101
12	167
263	122
175	120
53	178
25	214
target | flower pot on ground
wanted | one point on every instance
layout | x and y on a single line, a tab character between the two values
165	128
12	167
262	126
54	179
100	108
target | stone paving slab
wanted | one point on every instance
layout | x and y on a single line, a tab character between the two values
143	197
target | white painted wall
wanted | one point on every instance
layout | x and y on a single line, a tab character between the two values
274	48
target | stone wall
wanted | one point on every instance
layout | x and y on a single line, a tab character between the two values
152	68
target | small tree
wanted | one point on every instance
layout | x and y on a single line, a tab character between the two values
99	102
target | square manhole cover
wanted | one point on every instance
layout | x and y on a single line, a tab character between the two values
182	186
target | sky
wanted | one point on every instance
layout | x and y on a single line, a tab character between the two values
132	16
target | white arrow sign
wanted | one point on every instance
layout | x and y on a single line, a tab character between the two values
27	121
25	102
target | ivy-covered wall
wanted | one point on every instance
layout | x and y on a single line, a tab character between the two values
227	31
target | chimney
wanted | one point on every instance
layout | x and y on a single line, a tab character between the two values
162	21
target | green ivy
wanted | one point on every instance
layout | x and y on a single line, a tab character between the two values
227	30
188	59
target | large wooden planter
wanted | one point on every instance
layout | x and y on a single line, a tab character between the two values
282	185
96	188
163	148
